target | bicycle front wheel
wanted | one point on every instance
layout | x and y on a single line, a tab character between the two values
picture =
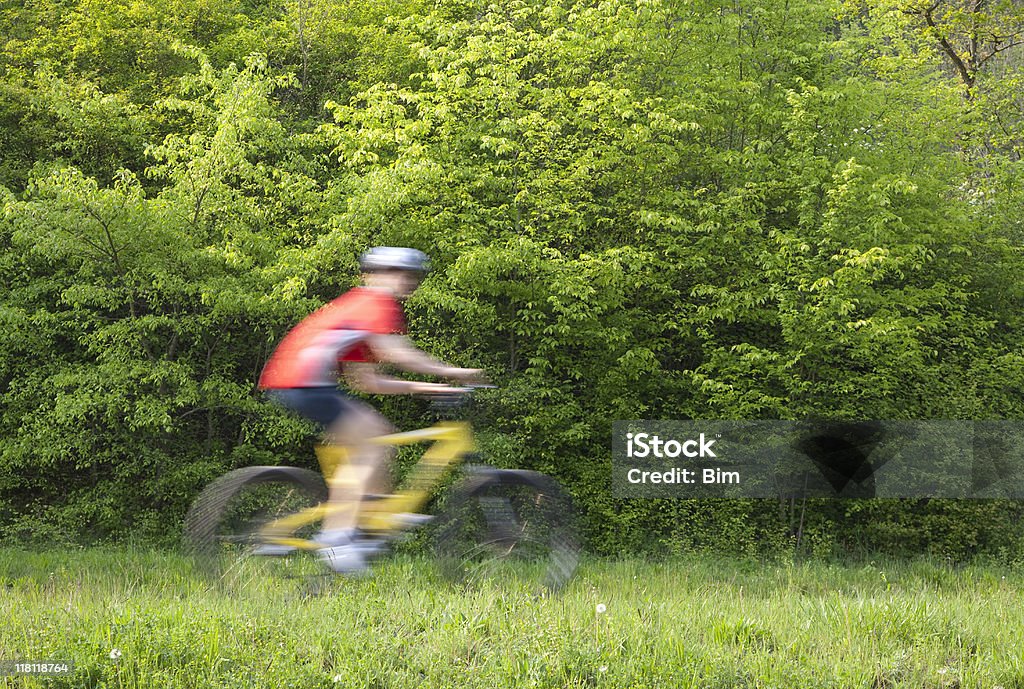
222	527
506	525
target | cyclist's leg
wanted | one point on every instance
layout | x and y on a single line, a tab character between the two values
367	470
349	424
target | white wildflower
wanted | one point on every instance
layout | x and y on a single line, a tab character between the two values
115	653
601	608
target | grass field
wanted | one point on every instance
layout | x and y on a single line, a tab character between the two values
139	619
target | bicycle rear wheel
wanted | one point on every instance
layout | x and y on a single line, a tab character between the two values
222	527
505	525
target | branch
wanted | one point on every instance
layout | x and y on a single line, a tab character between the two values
110	240
965	73
200	197
103	252
999	49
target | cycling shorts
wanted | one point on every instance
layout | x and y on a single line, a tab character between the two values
324	405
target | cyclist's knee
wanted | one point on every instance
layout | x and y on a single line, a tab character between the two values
361	422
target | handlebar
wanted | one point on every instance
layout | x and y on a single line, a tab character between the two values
456	398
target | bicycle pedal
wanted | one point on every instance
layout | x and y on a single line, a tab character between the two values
272	550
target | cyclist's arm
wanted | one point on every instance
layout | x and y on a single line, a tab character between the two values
364	377
398	350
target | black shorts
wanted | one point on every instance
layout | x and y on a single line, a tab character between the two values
324	405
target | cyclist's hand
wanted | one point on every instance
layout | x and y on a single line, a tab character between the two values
468	376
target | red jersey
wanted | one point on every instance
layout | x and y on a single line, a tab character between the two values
308	356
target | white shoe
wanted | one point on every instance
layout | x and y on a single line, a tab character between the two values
332	537
329	538
344	559
408	520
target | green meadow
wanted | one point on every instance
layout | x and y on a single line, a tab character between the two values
148	619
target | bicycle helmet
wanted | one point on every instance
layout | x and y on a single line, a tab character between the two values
394	258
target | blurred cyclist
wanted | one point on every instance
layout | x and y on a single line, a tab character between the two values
352	335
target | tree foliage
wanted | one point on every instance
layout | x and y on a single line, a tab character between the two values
638	209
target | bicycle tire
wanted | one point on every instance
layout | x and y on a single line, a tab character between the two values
504	524
221	526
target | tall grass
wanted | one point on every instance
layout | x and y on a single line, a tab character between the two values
700	622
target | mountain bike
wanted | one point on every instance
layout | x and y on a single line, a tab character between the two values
496	524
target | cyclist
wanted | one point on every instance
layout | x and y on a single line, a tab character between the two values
353	335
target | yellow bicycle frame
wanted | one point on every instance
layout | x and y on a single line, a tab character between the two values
451	442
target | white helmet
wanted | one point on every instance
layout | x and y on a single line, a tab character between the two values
394	258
